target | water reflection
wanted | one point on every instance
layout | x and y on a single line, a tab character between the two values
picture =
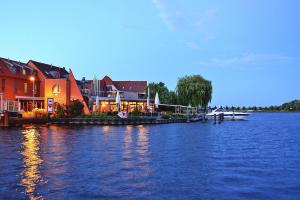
143	156
106	129
143	143
31	175
128	143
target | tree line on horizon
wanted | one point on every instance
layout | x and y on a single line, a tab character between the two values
196	91
289	106
191	90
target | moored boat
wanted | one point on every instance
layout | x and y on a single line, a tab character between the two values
228	115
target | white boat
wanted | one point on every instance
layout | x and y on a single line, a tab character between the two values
228	115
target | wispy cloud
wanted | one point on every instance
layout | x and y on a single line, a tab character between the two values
170	16
177	18
251	60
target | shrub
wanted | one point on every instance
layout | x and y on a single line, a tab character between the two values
167	116
135	112
60	111
75	109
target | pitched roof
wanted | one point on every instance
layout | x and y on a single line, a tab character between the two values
131	86
51	71
15	68
107	80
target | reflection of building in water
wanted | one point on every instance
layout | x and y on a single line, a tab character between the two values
31	175
143	143
106	129
143	152
127	143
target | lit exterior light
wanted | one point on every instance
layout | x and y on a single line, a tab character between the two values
32	78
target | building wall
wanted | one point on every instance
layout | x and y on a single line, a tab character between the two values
15	87
40	77
75	93
61	97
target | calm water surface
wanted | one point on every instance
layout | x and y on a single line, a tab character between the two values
254	159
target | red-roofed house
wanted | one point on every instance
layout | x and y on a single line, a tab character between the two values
33	83
132	94
15	85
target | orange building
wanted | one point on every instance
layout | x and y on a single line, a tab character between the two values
32	84
24	87
58	84
15	84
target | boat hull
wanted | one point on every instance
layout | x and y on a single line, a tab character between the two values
229	116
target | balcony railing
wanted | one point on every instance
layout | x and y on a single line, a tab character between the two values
7	105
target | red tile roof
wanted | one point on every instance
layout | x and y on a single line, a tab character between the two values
107	80
131	86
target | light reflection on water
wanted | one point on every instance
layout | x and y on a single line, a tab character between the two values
31	176
255	159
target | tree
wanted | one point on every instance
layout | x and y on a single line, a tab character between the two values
75	108
173	98
291	106
194	90
60	110
161	89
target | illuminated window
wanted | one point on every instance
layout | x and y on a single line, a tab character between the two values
24	72
25	87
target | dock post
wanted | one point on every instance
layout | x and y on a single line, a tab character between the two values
215	118
221	117
4	122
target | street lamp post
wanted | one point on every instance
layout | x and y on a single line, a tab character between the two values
32	79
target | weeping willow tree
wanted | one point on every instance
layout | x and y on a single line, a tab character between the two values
194	90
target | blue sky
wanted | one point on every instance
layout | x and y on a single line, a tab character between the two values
249	49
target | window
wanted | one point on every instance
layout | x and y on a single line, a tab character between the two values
23	71
35	89
3	85
25	88
12	68
55	74
15	86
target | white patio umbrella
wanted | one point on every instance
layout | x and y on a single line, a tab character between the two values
148	99
118	100
156	100
97	102
95	85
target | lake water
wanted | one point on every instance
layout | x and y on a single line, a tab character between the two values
254	159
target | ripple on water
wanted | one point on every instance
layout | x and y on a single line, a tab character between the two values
255	159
